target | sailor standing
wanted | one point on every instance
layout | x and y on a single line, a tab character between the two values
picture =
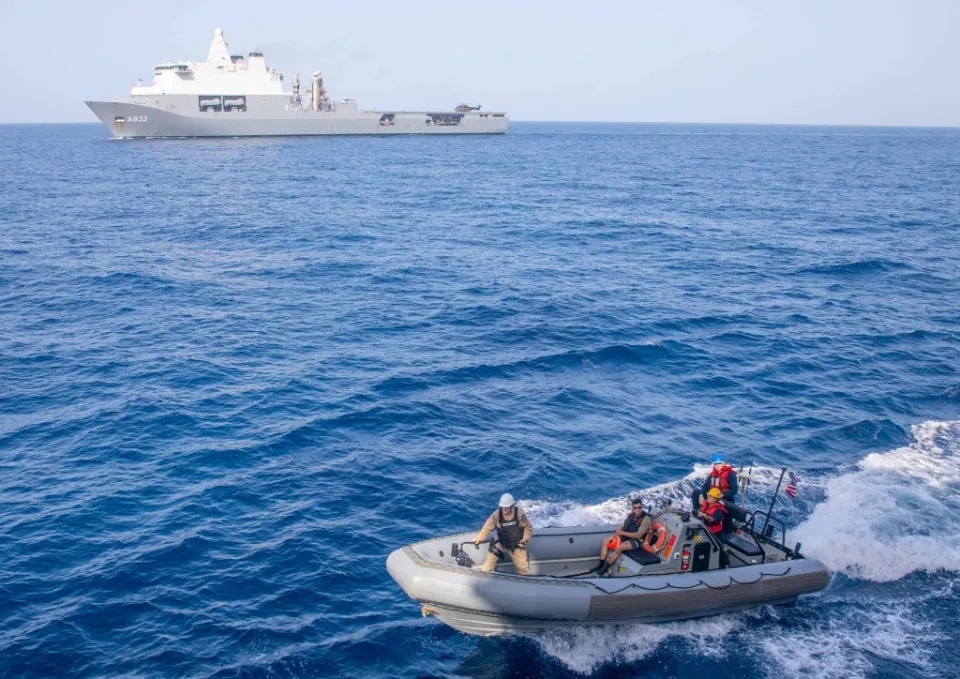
723	477
514	531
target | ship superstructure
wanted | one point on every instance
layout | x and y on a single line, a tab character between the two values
231	96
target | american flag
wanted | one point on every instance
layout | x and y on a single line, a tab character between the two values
791	489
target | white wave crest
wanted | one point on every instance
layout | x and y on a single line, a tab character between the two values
897	513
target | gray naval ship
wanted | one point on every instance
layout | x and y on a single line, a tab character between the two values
232	96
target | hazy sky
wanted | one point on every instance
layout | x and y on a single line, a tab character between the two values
876	62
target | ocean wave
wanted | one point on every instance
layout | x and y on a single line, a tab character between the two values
612	355
870	433
856	267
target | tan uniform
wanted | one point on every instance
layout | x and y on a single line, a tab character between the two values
518	555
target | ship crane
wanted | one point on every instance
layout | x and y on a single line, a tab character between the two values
318	95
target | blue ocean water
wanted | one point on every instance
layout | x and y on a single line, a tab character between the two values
238	373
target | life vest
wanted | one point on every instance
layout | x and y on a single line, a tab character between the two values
716	526
632	523
721	479
509	533
656	538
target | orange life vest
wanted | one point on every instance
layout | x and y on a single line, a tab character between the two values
721	479
716	526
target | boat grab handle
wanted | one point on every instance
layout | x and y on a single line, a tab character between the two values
459	547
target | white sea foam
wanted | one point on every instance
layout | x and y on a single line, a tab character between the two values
584	649
841	645
896	513
845	644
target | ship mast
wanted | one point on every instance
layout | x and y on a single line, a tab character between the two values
295	96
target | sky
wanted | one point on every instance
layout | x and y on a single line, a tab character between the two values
851	62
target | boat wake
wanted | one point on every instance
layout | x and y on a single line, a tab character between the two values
887	527
585	649
895	514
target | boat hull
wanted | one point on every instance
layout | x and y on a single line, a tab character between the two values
482	603
176	116
487	625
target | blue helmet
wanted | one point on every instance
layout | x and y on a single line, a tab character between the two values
717	457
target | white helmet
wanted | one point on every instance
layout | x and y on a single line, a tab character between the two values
506	500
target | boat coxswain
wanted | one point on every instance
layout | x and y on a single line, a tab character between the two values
514	531
712	511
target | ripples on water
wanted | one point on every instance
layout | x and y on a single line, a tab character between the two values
238	373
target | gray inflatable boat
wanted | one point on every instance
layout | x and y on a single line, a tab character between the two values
694	574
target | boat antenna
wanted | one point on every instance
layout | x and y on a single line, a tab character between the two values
773	500
746	484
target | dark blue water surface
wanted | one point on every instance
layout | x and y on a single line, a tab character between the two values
236	374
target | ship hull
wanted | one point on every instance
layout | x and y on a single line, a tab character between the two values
178	116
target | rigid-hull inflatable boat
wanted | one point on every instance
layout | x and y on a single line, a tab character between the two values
696	573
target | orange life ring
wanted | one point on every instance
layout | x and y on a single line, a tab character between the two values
656	538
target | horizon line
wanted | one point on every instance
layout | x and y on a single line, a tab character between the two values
619	122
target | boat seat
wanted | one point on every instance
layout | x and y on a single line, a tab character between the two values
735	515
642	557
741	544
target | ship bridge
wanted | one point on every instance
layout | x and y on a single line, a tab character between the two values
221	73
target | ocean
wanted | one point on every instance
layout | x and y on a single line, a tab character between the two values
237	373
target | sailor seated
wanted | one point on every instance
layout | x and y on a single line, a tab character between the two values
628	537
648	552
638	537
713	512
720	517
